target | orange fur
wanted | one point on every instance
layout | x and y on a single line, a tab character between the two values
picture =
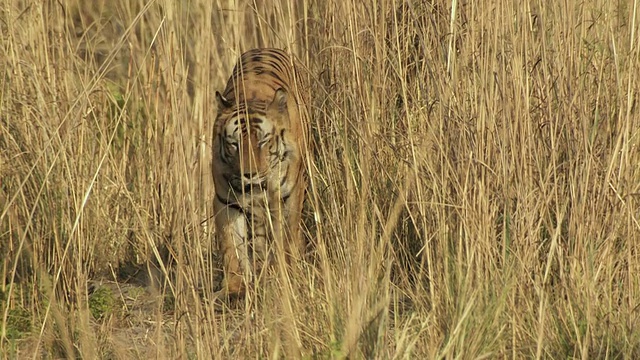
259	146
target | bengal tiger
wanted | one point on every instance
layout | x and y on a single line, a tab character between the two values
259	148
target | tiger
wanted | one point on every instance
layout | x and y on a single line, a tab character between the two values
259	149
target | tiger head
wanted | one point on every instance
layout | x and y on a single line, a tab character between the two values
250	139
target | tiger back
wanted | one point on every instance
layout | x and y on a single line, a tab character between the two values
259	148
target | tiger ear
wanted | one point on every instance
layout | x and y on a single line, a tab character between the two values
279	102
222	101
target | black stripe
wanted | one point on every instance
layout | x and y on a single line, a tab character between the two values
246	111
229	203
224	156
275	75
235	188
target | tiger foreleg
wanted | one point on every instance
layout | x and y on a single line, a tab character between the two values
232	236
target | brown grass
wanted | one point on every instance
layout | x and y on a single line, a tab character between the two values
476	180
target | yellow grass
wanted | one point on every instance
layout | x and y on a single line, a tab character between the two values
475	172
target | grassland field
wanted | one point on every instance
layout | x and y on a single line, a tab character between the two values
474	185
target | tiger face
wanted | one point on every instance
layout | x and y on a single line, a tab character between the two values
259	144
250	144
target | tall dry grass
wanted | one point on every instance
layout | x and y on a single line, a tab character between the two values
475	172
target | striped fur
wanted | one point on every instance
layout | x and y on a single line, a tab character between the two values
259	146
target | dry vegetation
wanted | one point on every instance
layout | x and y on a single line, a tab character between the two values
476	180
